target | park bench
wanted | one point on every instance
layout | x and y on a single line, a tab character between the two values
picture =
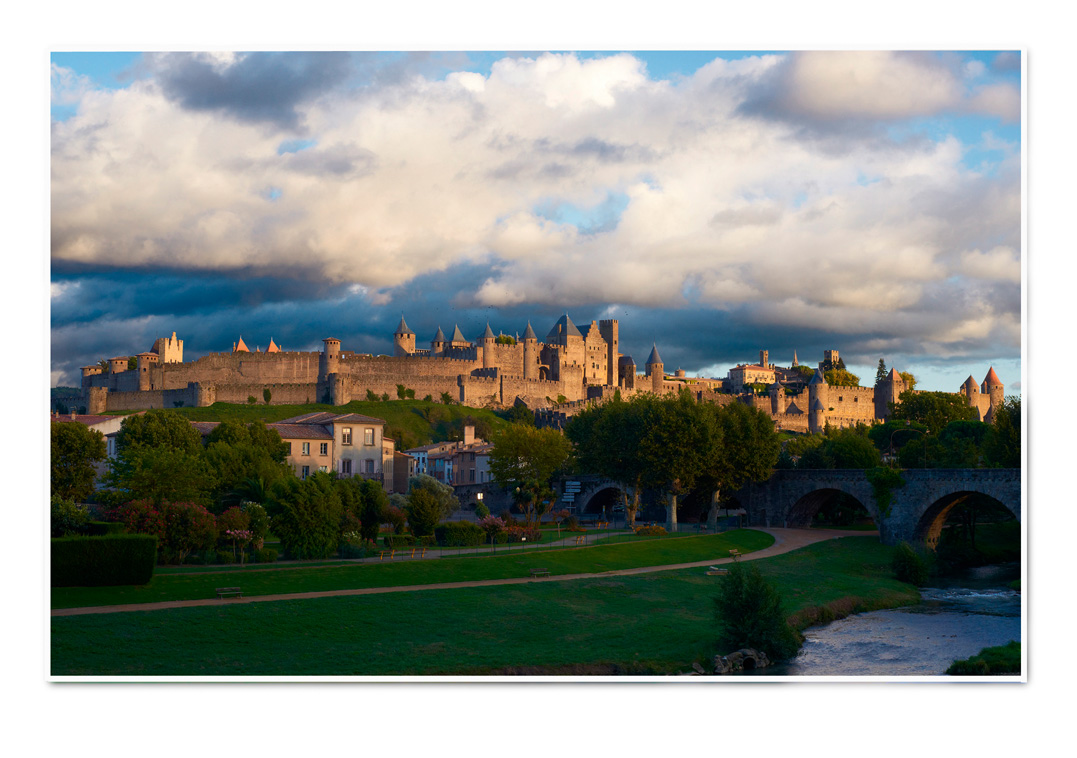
223	592
581	540
602	525
539	572
716	571
734	554
391	552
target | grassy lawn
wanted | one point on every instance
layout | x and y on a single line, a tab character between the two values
646	624
271	581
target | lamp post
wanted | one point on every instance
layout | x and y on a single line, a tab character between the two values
907	428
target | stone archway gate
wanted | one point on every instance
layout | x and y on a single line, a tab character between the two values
785	498
576	492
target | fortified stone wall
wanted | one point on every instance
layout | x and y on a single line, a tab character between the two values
281	394
239	368
478	391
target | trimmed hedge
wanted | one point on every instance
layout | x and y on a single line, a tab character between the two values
103	528
119	559
265	555
399	540
460	534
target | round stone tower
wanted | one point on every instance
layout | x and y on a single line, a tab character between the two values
530	354
655	370
818	402
437	345
403	340
488	341
777	398
993	387
329	360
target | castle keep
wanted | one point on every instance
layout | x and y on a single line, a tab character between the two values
565	372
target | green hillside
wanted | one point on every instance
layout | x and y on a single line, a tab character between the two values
410	422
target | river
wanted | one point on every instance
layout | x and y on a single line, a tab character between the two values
953	620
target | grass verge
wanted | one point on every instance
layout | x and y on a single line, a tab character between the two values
273	581
644	624
991	661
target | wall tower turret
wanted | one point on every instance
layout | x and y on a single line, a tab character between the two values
531	354
403	340
655	370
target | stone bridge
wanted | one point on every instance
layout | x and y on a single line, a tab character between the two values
588	493
917	510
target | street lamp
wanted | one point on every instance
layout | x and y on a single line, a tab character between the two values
908	428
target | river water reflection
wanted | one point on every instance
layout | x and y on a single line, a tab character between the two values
952	621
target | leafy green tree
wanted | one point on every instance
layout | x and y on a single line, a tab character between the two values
424	512
679	445
158	475
400	391
446	398
442	494
839	377
161	429
524	453
749	613
67	517
851	448
806	372
74	449
881	372
746	449
910	380
520	414
267	395
932	409
306	514
608	440
1002	446
364	502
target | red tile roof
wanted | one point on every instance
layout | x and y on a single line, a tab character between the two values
992	378
86	419
302	431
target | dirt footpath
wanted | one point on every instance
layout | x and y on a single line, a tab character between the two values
785	540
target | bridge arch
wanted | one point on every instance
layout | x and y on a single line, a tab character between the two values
600	497
803	510
933	518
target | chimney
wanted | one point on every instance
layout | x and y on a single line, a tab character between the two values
469	434
72	415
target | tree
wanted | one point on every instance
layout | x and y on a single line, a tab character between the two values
364	502
932	409
161	429
746	449
909	379
839	377
749	613
159	475
608	439
306	514
75	448
524	453
520	414
880	373
424	512
442	494
267	395
1002	446
679	444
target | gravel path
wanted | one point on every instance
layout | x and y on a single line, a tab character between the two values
785	540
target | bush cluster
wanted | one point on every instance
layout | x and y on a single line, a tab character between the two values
651	531
749	613
399	540
522	534
460	534
103	561
265	555
909	566
68	518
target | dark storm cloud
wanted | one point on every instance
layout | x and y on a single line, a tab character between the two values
257	87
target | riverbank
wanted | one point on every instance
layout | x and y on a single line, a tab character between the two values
638	624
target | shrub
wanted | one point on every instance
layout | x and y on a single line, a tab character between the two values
102	528
265	555
398	540
1003	659
225	557
139	517
195	559
258	522
68	517
460	534
395	517
103	561
481	511
523	534
424	512
651	531
748	612
186	527
909	566
307	516
493	526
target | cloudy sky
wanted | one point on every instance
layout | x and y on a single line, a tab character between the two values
717	204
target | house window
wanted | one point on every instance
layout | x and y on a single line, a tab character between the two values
306	472
324	450
287	448
370	466
324	469
346	466
368	436
306	448
346	435
472	475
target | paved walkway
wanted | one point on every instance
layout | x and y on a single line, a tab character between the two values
785	540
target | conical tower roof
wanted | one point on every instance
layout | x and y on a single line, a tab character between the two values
970	385
818	378
795	362
457	335
241	347
563	328
272	347
403	328
530	333
992	380
817	405
440	336
489	333
654	357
